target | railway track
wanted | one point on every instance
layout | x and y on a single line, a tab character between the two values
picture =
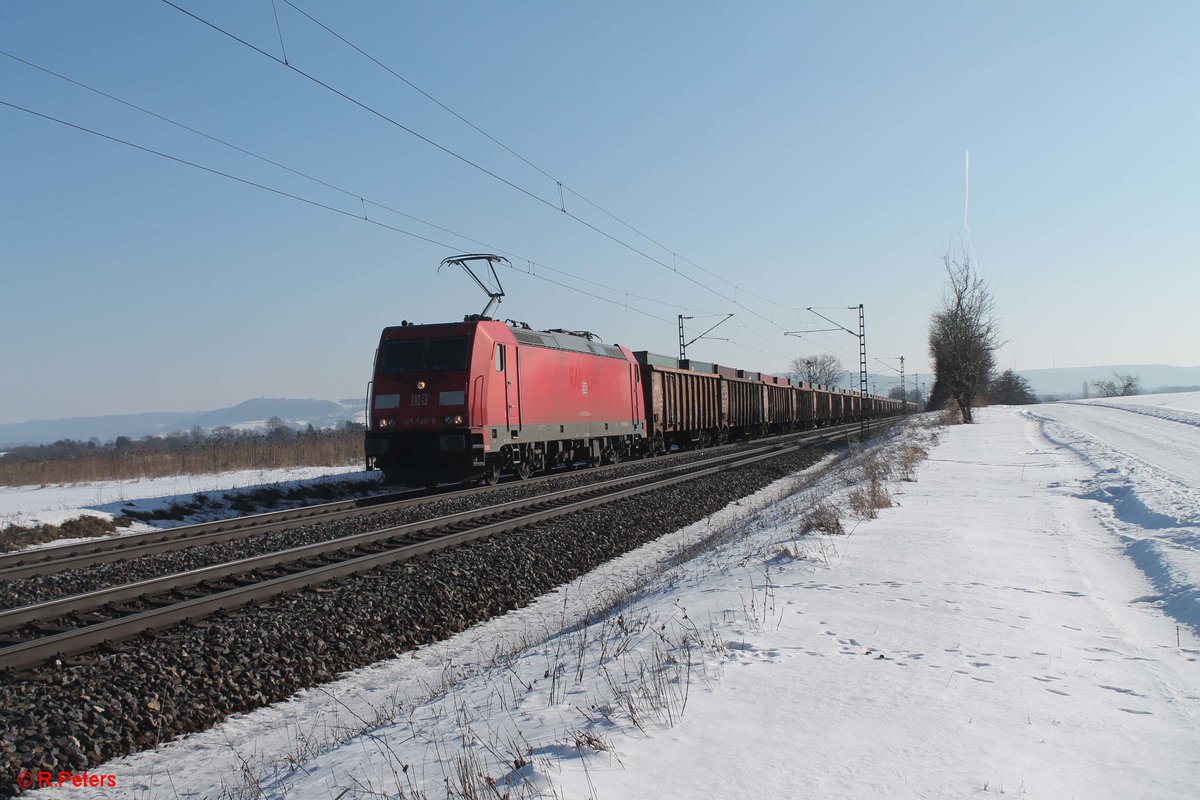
76	555
47	560
69	626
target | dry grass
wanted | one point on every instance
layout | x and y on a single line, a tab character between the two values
160	458
872	495
822	518
950	416
908	456
15	537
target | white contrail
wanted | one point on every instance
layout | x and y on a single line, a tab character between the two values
967	200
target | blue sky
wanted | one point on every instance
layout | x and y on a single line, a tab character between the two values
810	153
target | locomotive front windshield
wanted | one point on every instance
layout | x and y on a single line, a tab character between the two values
425	355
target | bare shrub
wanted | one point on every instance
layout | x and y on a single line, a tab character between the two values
876	468
866	500
951	416
908	456
822	518
15	537
1120	385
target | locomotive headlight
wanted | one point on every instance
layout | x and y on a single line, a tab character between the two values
383	423
420	385
458	419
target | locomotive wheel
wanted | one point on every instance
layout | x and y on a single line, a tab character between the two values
524	470
491	473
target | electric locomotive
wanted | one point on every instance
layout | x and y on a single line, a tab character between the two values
478	398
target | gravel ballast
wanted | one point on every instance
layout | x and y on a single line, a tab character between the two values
70	718
41	588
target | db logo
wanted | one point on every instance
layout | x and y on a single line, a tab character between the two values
25	780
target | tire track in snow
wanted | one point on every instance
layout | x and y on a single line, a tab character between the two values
1155	506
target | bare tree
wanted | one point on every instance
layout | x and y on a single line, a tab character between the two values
1118	386
963	336
825	369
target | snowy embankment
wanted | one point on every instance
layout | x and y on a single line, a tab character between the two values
988	634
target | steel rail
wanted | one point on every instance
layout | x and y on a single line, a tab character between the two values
12	619
29	653
25	562
48	560
73	555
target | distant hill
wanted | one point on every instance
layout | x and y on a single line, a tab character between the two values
250	414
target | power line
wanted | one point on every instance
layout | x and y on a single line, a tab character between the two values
361	104
562	185
627	295
349	193
417	89
481	168
320	205
379	223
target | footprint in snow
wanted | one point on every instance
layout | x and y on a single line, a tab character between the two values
1137	711
1059	692
1122	690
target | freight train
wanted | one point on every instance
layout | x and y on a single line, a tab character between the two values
479	399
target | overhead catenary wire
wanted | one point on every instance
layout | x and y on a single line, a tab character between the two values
311	202
363	201
355	216
347	192
478	166
558	181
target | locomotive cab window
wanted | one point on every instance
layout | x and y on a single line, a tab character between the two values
447	354
425	355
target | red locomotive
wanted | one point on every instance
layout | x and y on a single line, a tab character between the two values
479	398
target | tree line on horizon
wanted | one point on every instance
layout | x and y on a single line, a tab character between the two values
222	449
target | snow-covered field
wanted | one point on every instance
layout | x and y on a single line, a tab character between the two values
1180	407
1022	622
30	505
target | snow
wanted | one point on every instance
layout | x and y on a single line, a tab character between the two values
1182	407
998	631
54	504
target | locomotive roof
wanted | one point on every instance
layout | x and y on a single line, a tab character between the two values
565	341
554	340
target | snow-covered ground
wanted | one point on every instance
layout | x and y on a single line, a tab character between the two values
998	631
1180	407
54	504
